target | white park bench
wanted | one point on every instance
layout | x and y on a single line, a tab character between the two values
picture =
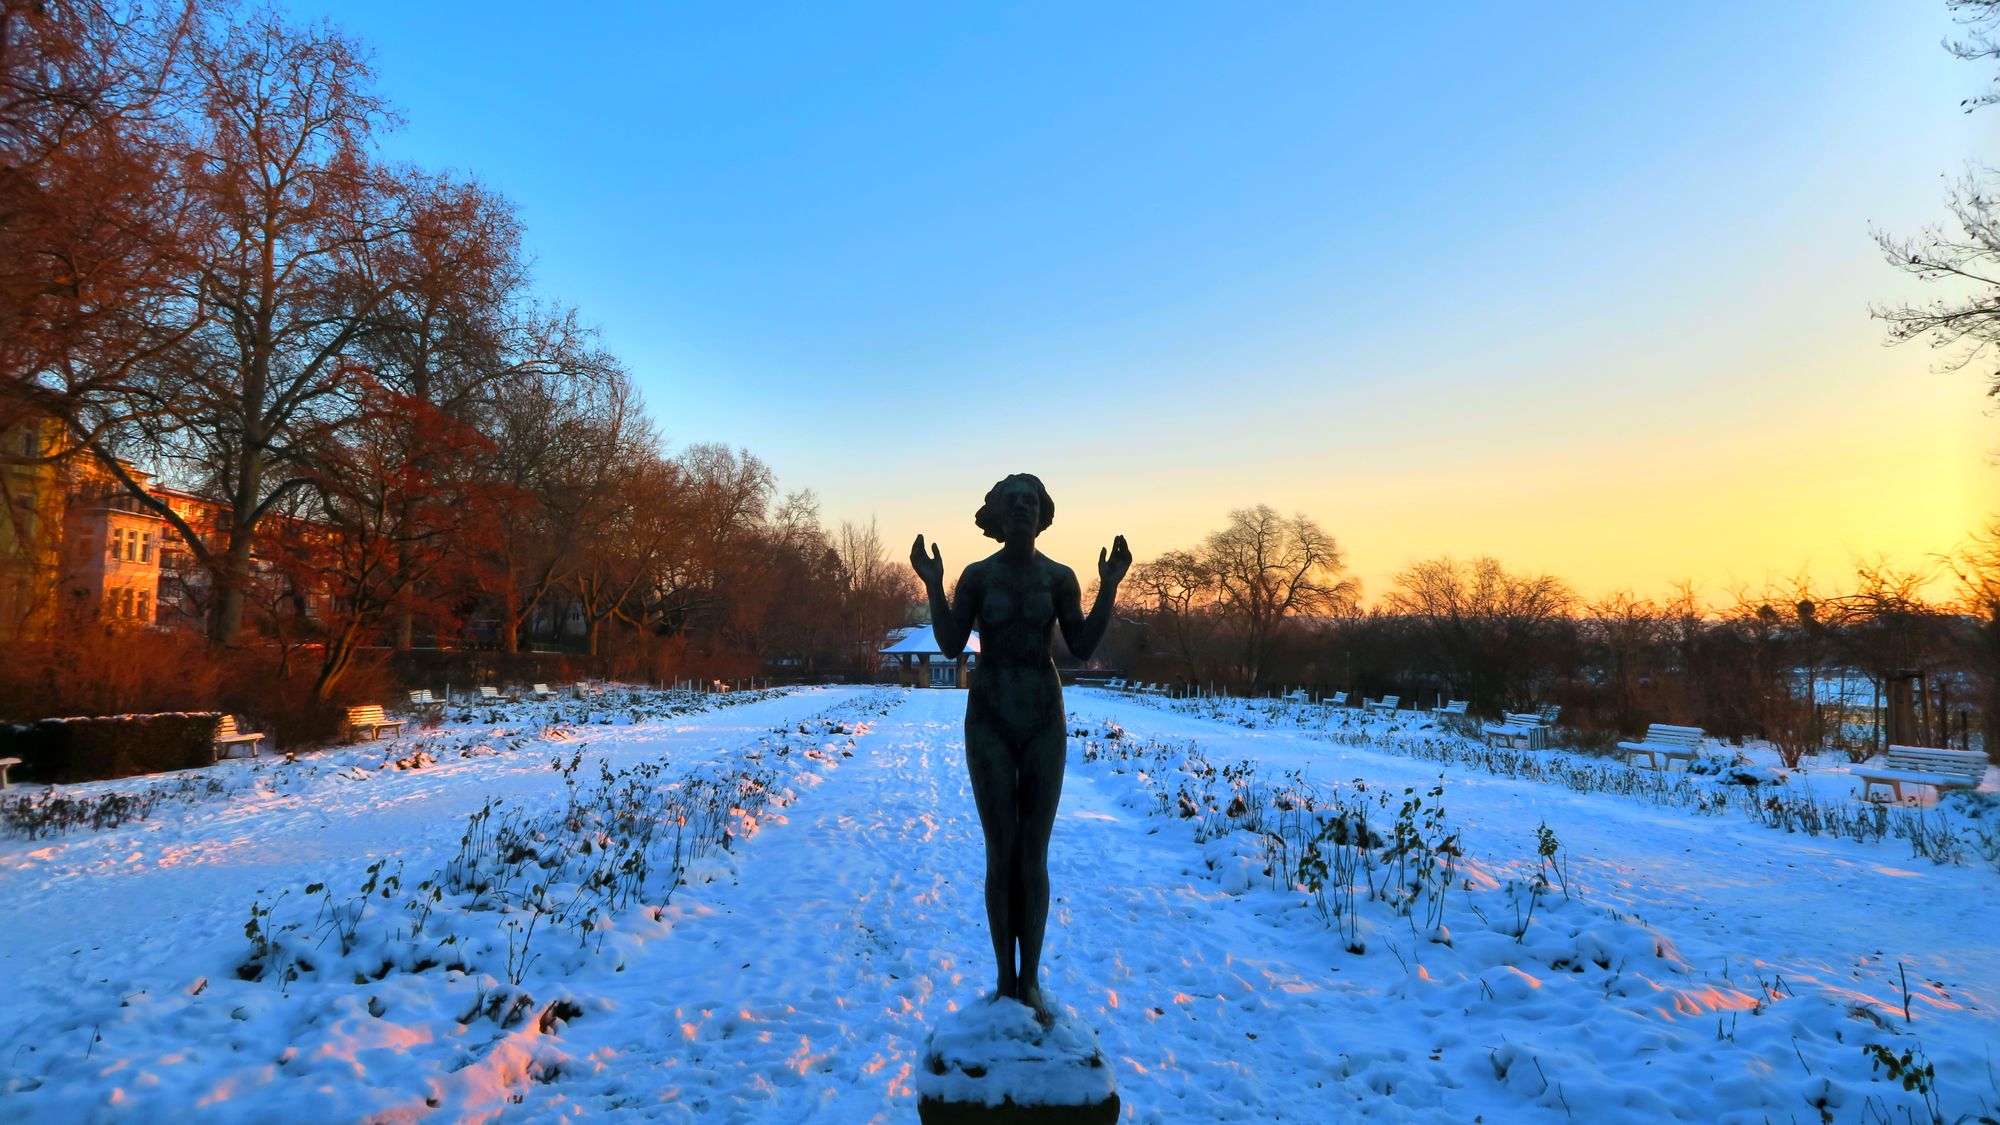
228	738
1155	689
1523	731
495	695
1664	743
371	719
1116	684
1386	703
542	691
5	765
1296	695
426	705
1337	699
1452	708
1922	765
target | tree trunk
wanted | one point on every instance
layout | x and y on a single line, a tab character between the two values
231	587
339	657
1991	704
510	619
402	634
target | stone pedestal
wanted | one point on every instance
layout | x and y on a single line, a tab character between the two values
991	1063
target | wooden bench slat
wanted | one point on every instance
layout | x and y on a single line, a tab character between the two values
371	716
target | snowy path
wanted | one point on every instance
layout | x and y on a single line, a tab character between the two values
804	990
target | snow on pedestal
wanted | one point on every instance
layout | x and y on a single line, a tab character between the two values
991	1061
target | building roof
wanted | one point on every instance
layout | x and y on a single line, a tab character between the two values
918	640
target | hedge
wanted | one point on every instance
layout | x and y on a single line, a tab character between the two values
108	746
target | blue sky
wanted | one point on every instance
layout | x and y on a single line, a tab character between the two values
1584	287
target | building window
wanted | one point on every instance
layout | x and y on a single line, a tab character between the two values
145	547
139	603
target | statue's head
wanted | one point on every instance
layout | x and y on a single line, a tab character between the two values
1021	494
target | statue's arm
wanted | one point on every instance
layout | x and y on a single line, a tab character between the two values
1081	633
952	624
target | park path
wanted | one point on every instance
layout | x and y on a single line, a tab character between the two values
802	990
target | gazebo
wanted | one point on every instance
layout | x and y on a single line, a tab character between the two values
923	663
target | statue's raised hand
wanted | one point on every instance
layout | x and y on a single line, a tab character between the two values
1110	571
930	567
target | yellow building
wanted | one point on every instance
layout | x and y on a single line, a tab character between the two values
31	527
73	543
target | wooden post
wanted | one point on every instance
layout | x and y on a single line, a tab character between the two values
1902	728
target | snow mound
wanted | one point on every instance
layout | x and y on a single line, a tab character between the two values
993	1051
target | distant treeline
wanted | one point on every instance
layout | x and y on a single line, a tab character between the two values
1265	604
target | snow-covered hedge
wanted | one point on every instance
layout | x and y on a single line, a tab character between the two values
102	747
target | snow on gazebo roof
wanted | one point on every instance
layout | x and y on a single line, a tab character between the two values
918	640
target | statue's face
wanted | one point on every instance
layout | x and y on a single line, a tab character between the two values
1020	509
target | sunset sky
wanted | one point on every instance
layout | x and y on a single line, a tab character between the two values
1584	287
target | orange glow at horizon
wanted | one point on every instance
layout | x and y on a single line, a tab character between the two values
1618	498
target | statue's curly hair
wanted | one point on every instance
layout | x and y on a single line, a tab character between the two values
989	520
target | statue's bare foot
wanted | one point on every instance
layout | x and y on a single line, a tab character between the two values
1038	1001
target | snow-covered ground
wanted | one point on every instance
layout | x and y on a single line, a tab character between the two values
1660	963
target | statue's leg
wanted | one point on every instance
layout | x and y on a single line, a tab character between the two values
991	768
1040	790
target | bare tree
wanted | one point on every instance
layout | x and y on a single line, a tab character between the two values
1965	325
1981	18
1485	623
1179	595
1965	253
879	593
303	242
1268	570
1977	568
93	212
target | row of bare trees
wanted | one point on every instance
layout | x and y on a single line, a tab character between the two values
209	272
1264	603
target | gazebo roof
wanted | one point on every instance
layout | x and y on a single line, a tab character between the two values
920	641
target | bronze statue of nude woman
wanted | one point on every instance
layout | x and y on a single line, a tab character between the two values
1015	726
